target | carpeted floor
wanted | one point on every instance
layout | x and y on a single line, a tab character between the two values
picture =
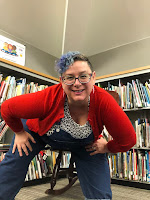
75	193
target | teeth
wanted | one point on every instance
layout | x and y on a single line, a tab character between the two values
78	91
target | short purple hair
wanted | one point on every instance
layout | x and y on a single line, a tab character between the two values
68	59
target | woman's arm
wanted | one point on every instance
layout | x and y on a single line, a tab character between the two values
24	106
118	125
28	106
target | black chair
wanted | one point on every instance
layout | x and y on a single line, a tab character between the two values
70	173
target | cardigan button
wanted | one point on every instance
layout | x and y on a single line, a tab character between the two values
57	130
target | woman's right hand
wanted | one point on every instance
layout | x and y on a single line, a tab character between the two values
21	142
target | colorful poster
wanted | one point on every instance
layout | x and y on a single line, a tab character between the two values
12	51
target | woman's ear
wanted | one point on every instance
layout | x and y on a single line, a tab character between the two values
60	78
94	76
61	81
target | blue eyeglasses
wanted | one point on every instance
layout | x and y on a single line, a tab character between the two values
70	79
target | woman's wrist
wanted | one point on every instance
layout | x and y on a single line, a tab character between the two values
20	132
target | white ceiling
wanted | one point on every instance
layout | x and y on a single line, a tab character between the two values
89	26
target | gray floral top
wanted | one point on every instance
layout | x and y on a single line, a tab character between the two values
68	125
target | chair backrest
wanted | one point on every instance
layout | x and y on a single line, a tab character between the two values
115	95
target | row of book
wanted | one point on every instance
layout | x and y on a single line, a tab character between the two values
42	165
39	167
130	165
10	87
132	95
142	129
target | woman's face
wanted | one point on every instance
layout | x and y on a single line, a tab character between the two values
78	92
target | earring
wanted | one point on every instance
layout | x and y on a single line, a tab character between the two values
93	89
63	93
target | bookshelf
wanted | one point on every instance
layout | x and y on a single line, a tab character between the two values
11	69
45	161
132	168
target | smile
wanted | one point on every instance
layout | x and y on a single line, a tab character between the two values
78	91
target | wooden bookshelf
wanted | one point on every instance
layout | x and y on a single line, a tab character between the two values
122	74
143	74
8	68
27	71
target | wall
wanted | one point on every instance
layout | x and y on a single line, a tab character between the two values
123	58
35	58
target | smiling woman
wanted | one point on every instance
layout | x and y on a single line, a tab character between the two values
70	116
77	82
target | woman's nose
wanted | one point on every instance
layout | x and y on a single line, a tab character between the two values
77	82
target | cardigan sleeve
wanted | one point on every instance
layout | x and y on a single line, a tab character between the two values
118	125
28	106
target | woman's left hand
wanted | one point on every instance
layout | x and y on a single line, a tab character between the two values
99	146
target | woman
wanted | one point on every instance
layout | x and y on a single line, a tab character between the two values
69	115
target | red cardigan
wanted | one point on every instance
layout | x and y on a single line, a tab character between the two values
44	108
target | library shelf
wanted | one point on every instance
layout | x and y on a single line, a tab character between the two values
139	114
143	74
37	181
8	68
129	183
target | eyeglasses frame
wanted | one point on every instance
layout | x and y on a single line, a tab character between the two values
78	79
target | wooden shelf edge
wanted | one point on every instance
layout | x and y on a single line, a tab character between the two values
124	182
123	72
37	181
28	69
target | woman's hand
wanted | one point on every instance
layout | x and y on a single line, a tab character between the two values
21	142
99	146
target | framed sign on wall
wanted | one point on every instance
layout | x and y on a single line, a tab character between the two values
12	50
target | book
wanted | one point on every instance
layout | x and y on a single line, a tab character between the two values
33	170
137	96
140	92
30	171
146	95
38	167
41	164
2	133
3	83
149	166
20	86
5	90
1	78
11	89
2	124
